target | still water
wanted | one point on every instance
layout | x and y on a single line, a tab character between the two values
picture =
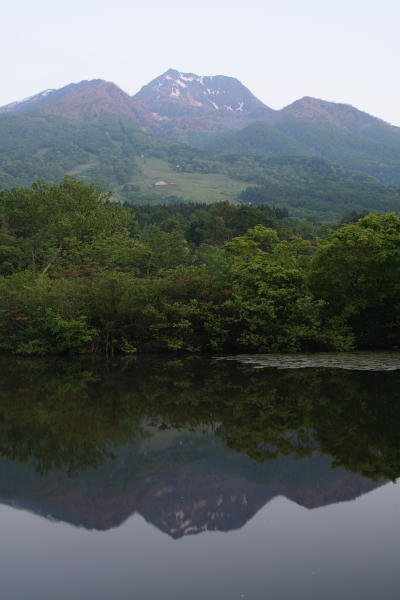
247	477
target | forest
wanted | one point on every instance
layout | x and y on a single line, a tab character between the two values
80	273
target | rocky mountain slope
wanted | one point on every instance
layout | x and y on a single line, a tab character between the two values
176	94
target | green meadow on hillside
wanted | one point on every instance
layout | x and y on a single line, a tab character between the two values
193	187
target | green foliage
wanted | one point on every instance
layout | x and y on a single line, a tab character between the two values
356	271
42	316
55	226
313	188
209	223
270	290
36	146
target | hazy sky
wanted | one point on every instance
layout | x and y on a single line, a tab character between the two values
339	50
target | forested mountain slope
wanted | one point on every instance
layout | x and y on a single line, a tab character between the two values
374	151
116	154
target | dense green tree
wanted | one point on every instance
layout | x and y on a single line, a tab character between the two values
54	224
166	249
356	272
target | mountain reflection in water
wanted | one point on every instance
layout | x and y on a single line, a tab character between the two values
190	444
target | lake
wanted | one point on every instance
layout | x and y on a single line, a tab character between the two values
239	477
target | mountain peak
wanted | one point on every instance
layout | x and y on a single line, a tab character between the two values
179	94
87	100
341	115
50	96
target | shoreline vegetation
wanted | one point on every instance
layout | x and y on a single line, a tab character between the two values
82	274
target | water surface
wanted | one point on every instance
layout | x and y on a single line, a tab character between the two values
242	477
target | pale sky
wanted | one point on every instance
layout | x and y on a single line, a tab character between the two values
339	50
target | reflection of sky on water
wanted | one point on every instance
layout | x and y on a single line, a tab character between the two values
348	550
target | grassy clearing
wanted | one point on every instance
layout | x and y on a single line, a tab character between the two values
195	187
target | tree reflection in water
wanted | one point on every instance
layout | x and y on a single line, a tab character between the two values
72	415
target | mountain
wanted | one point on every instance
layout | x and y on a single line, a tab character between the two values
342	135
31	103
317	158
342	115
84	101
176	94
221	114
173	103
177	100
183	103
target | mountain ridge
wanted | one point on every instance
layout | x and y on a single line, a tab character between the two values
179	94
87	100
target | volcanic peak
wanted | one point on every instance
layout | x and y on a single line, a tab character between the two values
178	94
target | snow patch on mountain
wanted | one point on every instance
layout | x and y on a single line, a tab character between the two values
186	77
194	102
185	95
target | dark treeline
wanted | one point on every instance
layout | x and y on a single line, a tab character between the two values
79	273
